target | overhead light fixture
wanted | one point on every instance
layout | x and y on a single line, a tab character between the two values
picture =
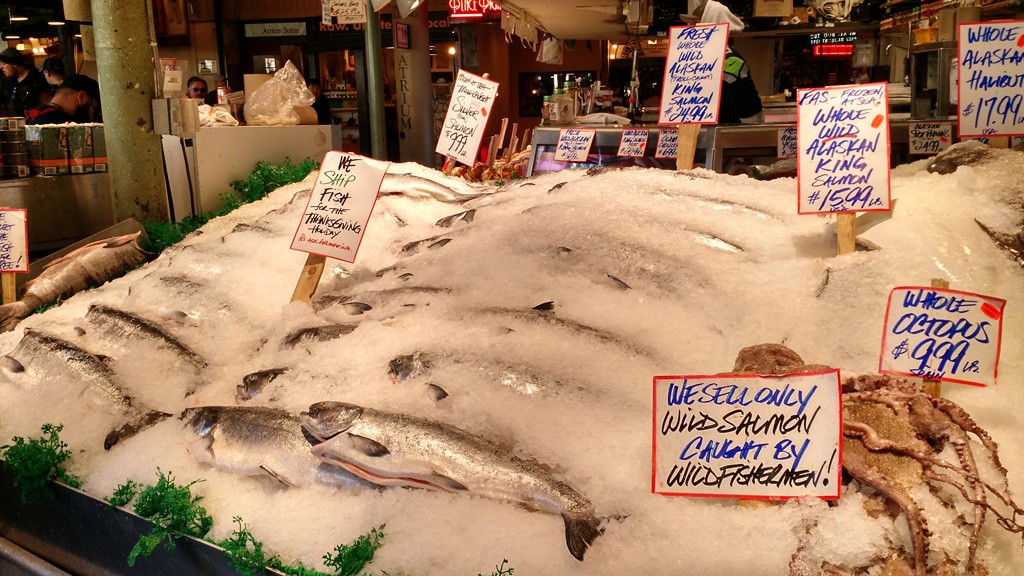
12	37
55	23
20	47
451	51
19	18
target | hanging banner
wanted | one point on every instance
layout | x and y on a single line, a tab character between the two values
691	91
843	149
466	119
748	436
574	145
344	11
942	334
785	142
991	78
13	240
668	144
633	142
339	206
929	137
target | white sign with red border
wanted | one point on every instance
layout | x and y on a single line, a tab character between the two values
991	68
466	119
574	144
339	206
13	240
942	334
633	142
843	149
692	88
747	436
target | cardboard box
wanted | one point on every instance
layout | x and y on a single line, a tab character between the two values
99	149
80	154
47	150
773	8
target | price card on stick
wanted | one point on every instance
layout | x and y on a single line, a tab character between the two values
466	118
942	334
843	149
668	144
633	142
785	142
747	436
574	145
991	78
692	87
929	137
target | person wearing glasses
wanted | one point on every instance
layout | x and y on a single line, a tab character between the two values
197	88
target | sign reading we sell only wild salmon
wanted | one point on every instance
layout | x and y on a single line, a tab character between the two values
13	240
692	88
747	436
339	206
466	119
842	137
942	334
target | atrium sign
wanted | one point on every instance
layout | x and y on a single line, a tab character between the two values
271	29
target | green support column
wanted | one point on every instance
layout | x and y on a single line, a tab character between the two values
375	84
124	61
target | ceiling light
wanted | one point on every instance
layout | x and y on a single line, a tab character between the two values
55	23
12	37
19	18
19	47
451	51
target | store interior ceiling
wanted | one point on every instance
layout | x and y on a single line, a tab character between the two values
586	19
30	18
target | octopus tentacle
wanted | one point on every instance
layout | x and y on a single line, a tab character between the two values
962	419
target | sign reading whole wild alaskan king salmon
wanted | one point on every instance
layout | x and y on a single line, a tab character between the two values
466	119
942	334
13	240
692	89
991	78
747	436
339	206
842	135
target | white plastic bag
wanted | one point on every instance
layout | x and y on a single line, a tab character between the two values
215	116
273	103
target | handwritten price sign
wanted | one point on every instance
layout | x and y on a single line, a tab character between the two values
339	206
843	149
785	142
574	145
747	436
991	65
693	74
930	137
942	334
13	240
633	143
466	119
668	144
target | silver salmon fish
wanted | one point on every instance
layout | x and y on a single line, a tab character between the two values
392	449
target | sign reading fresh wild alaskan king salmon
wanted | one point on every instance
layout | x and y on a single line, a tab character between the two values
339	206
692	89
466	119
991	79
842	137
574	145
747	436
13	240
942	334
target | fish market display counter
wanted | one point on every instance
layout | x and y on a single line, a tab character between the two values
716	146
61	209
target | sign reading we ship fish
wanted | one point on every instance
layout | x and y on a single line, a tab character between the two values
466	119
991	78
747	436
339	206
692	88
843	149
13	240
942	334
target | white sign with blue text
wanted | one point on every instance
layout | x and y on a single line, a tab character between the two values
574	145
785	142
633	142
339	206
843	149
747	436
942	334
466	119
991	81
929	137
668	144
692	88
13	240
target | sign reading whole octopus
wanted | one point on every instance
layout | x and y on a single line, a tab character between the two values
942	334
747	436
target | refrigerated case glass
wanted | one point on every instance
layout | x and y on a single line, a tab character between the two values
338	80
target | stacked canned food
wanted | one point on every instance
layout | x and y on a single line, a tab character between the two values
14	147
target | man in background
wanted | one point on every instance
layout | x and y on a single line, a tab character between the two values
24	87
196	88
740	102
73	102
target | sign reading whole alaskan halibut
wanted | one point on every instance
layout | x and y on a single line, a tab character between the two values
991	82
466	119
692	87
942	334
843	149
13	240
339	206
747	436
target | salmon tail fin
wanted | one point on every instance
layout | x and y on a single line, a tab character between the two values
11	314
580	532
130	428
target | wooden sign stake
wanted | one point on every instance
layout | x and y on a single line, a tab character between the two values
10	287
931	387
449	165
309	279
501	134
686	146
846	232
